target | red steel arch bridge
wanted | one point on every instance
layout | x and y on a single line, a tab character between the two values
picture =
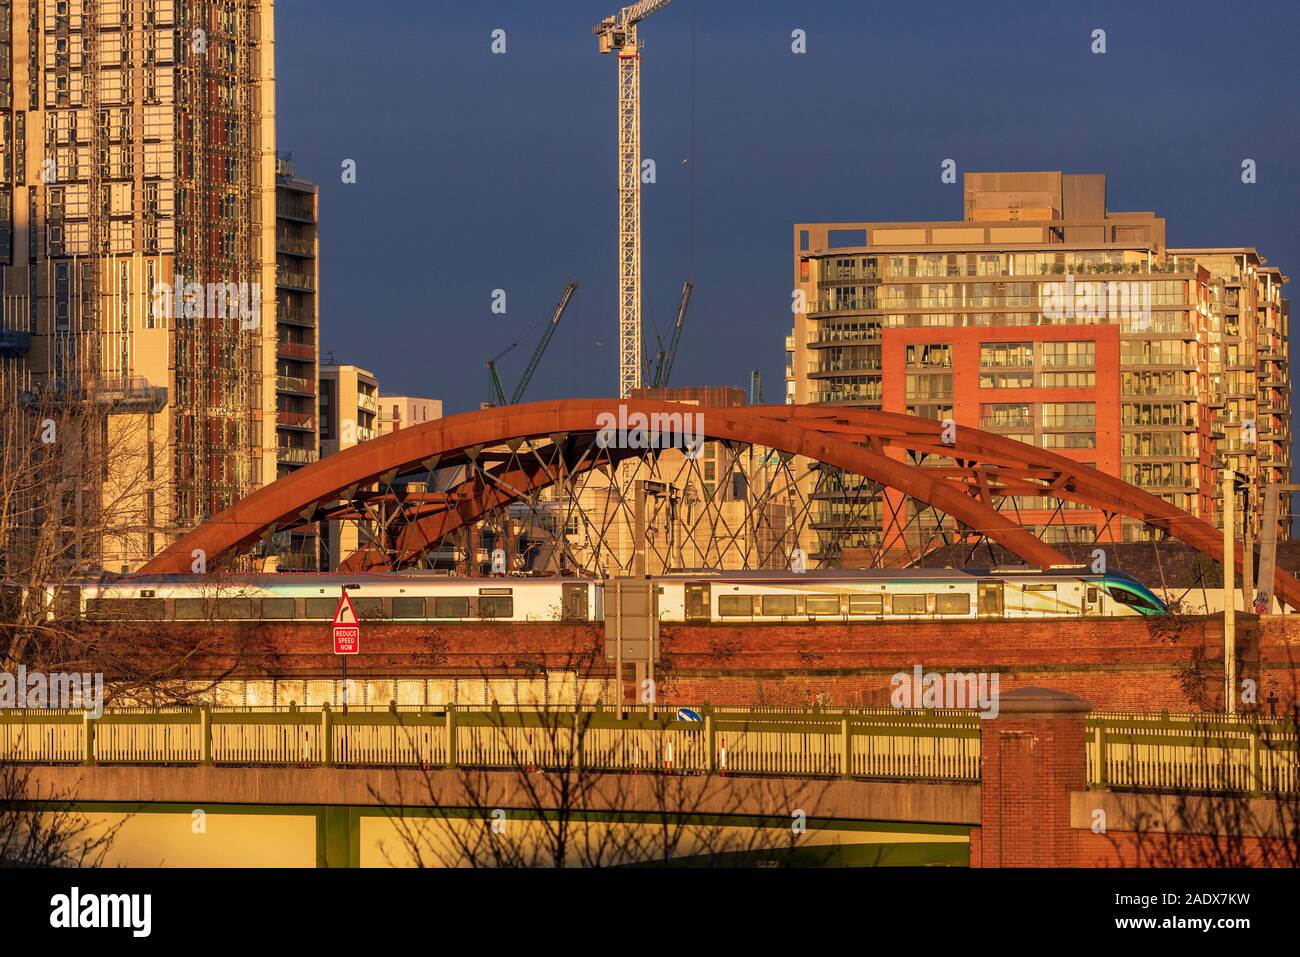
593	486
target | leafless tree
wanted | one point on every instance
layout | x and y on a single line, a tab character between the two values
41	830
553	798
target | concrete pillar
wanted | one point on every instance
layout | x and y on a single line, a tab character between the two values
1033	754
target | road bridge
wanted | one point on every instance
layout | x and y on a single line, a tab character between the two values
939	783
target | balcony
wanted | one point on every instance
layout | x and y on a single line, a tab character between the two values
295	247
832	367
295	420
1003	423
295	317
302	351
288	383
302	282
292	456
368	403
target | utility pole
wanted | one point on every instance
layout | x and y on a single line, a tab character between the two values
1229	596
1248	554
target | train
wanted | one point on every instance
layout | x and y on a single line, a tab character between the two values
690	597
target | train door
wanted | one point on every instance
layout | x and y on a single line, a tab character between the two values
698	604
574	596
990	599
1040	600
1093	600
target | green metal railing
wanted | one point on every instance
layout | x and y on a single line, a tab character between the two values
1193	752
892	745
1124	751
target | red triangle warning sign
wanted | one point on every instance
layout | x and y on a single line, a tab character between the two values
347	630
345	615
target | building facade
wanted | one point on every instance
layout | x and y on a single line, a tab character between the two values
1044	316
349	415
297	343
137	240
403	411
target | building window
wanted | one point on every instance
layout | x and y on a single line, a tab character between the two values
1069	355
1069	415
1001	355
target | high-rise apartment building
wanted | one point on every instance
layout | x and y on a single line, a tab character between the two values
349	415
1047	317
137	238
297	343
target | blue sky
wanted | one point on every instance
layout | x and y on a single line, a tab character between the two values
479	171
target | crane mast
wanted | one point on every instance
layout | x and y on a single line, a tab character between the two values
617	34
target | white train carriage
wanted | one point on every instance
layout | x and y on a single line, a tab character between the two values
760	596
409	596
857	595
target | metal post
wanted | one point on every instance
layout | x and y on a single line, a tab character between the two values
618	645
88	738
1099	738
653	611
710	744
1229	597
1248	555
1256	767
638	529
205	731
327	736
451	735
846	748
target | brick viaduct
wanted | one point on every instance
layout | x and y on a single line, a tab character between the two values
1125	664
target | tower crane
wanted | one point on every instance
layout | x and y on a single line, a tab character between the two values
617	34
664	367
497	394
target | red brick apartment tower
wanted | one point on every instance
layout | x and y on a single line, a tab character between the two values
1047	317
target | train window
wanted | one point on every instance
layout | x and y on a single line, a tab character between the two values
780	604
277	608
823	604
733	606
368	607
408	607
189	609
321	608
451	608
67	602
496	606
126	609
909	604
234	608
955	603
866	604
150	609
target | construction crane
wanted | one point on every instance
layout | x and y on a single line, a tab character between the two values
617	34
664	366
497	394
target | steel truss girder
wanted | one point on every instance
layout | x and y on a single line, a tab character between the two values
856	441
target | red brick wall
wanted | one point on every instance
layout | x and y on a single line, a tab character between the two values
1029	766
1118	664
